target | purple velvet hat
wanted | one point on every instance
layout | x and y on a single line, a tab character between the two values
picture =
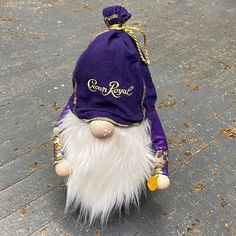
110	79
112	82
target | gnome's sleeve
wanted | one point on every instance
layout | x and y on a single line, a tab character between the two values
157	133
64	111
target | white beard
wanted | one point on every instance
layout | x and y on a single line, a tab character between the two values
106	173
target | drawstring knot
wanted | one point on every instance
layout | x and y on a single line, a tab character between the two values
130	30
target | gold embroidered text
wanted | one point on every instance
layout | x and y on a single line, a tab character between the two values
114	89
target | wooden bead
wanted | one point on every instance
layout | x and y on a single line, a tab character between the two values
63	168
101	128
163	182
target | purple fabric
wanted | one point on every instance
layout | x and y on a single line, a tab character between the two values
157	133
165	168
123	14
63	113
111	57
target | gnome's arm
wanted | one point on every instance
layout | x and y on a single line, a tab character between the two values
157	133
160	177
62	166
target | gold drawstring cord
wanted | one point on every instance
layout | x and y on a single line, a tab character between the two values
130	30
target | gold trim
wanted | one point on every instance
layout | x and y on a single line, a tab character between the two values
75	97
112	121
130	30
58	149
143	97
114	16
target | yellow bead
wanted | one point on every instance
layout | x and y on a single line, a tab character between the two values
152	183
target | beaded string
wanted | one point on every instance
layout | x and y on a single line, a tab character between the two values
130	30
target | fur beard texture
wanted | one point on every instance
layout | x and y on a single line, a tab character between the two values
107	174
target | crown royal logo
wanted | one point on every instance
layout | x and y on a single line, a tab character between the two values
113	89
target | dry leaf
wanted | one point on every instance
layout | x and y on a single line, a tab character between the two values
167	93
184	140
37	37
226	67
97	232
223	203
44	229
198	187
205	146
211	58
12	200
194	88
55	106
87	7
189	141
163	213
190	74
228	133
41	13
34	166
188	153
167	104
23	210
186	124
170	141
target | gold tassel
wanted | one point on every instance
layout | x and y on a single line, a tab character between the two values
130	30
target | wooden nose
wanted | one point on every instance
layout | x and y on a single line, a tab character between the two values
101	129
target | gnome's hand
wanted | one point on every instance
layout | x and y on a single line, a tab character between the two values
160	179
62	166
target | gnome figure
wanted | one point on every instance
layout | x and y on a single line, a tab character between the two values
108	140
